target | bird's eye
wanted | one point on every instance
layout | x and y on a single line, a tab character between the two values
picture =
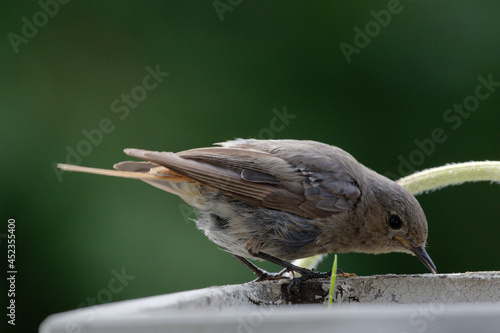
395	222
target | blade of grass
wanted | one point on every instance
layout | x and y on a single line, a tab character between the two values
332	282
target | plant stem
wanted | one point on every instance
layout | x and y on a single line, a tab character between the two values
451	174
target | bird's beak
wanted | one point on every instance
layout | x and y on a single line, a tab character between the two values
420	253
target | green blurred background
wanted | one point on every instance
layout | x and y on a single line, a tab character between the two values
226	78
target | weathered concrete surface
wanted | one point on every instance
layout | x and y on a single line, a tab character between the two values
426	288
431	299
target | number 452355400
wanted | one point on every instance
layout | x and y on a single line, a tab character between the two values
11	244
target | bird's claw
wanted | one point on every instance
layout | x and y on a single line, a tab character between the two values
267	276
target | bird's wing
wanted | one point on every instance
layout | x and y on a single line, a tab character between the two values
297	185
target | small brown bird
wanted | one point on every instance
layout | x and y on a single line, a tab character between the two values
281	200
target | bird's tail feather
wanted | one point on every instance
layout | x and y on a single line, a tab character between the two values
151	173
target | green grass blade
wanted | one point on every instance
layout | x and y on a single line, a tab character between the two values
332	282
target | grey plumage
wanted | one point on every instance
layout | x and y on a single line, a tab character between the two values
287	199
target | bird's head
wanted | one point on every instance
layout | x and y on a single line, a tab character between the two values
395	220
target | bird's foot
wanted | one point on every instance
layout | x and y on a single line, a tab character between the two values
268	276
